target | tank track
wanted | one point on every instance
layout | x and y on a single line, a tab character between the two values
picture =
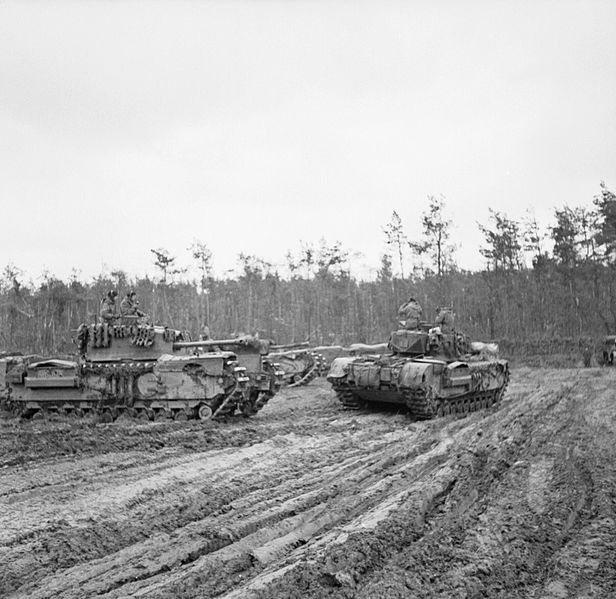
424	406
106	412
348	399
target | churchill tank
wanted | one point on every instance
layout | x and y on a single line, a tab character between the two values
263	373
299	363
146	371
430	372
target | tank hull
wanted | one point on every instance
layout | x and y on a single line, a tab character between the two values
178	387
149	372
427	387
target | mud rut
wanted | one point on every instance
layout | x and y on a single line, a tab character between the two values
307	500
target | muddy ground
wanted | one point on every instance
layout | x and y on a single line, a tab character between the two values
307	500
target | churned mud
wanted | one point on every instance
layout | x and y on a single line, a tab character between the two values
308	500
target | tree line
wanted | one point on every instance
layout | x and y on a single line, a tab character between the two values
527	297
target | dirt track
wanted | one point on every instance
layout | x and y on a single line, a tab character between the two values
306	500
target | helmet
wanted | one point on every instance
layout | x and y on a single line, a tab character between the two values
113	293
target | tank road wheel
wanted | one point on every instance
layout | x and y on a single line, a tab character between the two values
38	415
123	416
205	412
144	414
162	415
440	410
180	415
106	416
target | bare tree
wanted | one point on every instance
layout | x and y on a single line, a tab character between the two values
503	242
164	262
203	255
396	238
566	236
533	238
605	236
436	233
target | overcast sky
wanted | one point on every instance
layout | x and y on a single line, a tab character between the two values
252	126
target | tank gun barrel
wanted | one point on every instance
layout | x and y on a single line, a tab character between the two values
320	348
208	343
364	348
289	346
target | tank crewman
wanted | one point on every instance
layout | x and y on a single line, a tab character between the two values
204	335
445	319
410	313
107	311
129	305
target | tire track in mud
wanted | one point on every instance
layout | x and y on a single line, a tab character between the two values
583	565
503	503
443	558
280	510
154	502
354	496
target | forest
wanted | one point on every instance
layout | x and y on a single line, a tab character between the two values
527	298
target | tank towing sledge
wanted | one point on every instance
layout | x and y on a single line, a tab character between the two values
300	363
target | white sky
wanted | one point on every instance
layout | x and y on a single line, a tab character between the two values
126	126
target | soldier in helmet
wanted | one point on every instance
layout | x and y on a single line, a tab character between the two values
410	313
129	305
445	319
107	311
204	335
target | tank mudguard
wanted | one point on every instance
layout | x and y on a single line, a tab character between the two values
53	363
211	364
414	374
339	368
